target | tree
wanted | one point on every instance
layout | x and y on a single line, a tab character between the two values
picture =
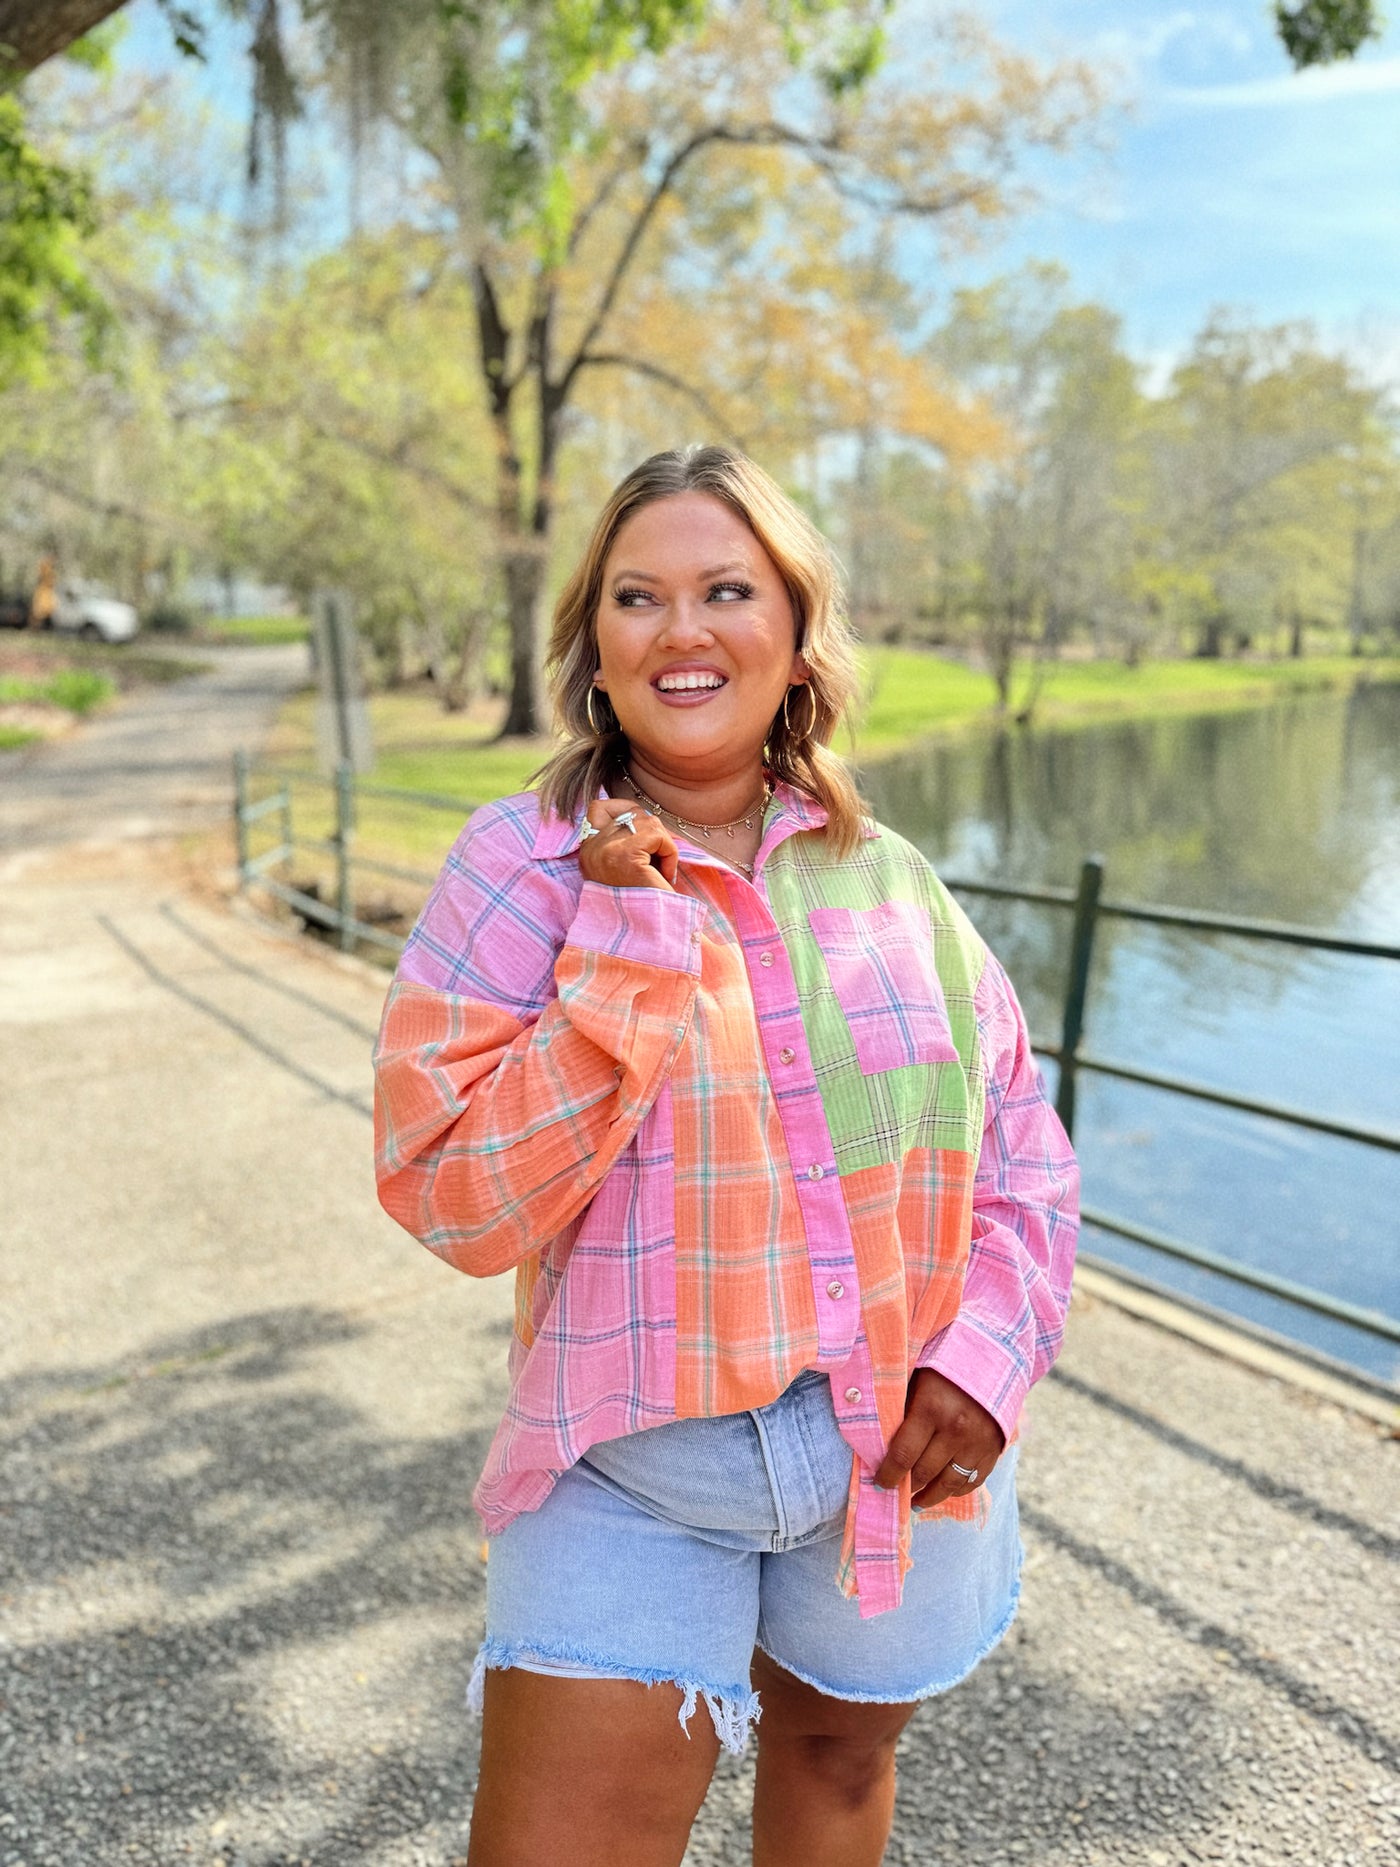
1250	453
1314	32
34	30
347	449
559	188
46	213
1040	534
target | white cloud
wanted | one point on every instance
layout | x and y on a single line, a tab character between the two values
1319	84
1137	50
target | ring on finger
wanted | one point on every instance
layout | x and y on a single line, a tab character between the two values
968	1476
587	829
626	820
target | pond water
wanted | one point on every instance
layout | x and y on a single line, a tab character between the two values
1290	812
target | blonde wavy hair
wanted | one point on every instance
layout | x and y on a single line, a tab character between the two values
796	748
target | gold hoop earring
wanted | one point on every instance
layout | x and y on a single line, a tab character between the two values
598	730
806	688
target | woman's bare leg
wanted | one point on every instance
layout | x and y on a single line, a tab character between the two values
825	1792
592	1772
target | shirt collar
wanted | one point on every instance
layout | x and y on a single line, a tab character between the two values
560	836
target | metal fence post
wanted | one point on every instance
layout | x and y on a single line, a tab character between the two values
344	830
240	813
1081	953
284	820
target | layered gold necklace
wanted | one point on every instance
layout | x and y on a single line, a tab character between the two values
753	815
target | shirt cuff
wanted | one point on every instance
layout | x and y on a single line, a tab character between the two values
977	1360
654	926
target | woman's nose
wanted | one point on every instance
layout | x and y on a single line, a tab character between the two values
687	623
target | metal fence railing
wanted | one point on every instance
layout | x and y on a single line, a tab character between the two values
340	844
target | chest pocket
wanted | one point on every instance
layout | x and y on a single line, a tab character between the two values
880	963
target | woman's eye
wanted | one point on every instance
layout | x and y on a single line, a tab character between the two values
731	592
629	599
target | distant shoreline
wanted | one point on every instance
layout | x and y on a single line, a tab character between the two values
914	696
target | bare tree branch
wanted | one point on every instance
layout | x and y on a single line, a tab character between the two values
33	30
640	366
397	456
22	469
630	157
758	135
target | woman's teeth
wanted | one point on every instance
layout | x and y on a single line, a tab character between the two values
679	683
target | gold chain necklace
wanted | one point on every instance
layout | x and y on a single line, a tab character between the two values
707	830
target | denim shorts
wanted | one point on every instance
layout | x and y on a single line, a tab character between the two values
668	1555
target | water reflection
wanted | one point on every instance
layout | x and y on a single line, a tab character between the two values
1290	812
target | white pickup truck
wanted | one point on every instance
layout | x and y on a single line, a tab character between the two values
84	609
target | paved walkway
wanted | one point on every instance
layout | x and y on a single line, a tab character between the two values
157	764
240	1415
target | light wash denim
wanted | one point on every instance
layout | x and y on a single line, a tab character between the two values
668	1555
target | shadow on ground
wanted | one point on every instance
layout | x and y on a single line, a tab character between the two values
193	1554
243	1617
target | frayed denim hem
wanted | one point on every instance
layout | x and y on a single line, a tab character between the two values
906	1698
732	1709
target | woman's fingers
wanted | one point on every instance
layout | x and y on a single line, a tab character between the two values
632	848
943	1427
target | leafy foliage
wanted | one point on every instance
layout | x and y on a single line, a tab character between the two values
1319	32
46	209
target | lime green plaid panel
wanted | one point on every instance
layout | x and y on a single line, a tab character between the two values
876	1116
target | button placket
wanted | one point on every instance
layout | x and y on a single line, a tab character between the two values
804	1123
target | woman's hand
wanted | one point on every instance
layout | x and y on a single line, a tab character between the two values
642	856
942	1426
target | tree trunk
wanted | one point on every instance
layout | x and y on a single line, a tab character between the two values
33	30
523	565
1212	643
459	688
526	566
1001	658
1356	599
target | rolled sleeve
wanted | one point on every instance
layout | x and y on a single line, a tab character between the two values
653	926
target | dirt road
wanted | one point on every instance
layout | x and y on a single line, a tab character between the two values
240	1579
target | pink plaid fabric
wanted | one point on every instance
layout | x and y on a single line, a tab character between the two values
671	1113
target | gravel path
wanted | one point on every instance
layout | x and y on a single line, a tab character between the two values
240	1577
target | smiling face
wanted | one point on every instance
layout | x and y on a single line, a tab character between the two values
696	639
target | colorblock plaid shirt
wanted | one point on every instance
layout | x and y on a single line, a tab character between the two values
722	1135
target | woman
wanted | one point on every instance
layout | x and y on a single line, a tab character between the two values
718	1067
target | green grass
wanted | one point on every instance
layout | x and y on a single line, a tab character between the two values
418	747
912	695
13	737
76	690
264	631
909	696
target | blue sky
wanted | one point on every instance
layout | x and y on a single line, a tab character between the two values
1229	179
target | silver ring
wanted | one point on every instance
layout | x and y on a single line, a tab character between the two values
968	1477
626	820
587	829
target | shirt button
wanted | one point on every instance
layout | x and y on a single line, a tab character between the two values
814	1172
835	1289
786	1054
853	1395
765	959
